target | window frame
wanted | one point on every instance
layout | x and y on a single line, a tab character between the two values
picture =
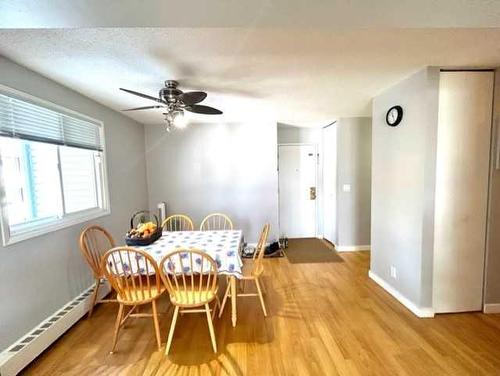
67	220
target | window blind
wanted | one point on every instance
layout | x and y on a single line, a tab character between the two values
30	121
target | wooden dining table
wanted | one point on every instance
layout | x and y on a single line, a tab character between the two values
223	246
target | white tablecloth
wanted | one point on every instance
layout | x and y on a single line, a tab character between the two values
222	246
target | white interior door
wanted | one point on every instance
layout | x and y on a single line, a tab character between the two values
297	186
463	154
329	183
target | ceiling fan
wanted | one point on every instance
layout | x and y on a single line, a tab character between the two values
175	102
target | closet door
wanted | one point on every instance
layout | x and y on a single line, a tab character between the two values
463	153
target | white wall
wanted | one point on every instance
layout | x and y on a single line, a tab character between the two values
292	135
403	182
354	169
205	168
40	275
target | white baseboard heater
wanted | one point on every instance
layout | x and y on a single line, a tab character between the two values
27	348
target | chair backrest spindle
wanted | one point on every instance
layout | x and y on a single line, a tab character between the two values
178	222
184	273
216	221
94	242
132	273
260	250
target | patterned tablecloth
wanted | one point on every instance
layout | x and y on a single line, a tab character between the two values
222	246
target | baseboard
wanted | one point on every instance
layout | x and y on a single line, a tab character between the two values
255	244
418	311
491	308
27	348
352	248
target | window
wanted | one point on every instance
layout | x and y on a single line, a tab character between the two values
52	167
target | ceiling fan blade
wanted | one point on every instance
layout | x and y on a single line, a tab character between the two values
142	108
142	95
200	109
192	97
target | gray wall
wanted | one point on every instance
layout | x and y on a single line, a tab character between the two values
492	280
205	168
354	168
38	276
403	184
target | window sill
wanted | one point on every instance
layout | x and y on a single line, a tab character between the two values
46	228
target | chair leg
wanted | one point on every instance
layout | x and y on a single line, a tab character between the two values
172	328
157	325
226	294
119	317
94	296
260	296
211	327
216	305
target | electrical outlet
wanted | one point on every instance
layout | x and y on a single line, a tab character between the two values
394	272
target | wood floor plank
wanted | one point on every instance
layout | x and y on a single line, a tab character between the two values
324	319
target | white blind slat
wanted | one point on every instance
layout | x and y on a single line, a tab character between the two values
26	120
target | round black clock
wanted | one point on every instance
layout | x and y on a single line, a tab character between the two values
394	116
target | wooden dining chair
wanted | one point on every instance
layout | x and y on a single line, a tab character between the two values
216	221
94	242
190	276
252	273
135	277
178	222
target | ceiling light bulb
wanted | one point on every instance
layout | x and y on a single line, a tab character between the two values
179	120
169	118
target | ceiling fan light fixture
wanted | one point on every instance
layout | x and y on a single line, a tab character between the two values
179	120
168	127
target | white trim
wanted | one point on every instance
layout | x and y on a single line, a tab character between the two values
67	221
352	248
12	362
254	244
491	308
422	312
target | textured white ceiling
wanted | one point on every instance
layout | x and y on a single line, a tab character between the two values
307	77
329	14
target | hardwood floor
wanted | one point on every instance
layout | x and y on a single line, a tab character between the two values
324	319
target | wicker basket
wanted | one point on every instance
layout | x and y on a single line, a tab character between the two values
143	241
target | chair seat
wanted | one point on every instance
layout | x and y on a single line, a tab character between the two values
138	296
192	297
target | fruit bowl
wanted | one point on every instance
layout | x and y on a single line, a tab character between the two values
145	231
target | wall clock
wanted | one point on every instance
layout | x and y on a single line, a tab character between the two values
394	116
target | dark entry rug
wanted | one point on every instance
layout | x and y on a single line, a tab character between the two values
310	251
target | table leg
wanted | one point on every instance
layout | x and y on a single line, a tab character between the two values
232	281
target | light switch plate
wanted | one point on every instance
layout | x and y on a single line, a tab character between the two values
346	188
